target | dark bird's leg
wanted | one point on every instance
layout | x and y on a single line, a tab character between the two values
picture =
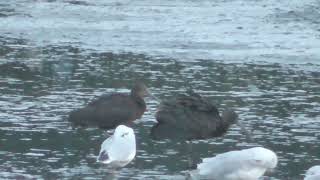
111	174
189	154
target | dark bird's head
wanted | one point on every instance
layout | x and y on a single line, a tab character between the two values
230	116
140	90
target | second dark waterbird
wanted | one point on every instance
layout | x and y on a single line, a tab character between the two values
189	116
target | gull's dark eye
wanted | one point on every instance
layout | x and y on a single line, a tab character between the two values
124	134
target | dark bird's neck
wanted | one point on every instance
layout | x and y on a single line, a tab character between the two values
139	100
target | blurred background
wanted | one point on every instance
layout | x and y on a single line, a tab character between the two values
261	58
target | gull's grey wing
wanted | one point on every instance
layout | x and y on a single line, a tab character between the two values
105	146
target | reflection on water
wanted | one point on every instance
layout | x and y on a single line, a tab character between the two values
40	86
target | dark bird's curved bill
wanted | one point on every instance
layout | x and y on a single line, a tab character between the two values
244	131
153	96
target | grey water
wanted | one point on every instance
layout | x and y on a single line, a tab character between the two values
261	58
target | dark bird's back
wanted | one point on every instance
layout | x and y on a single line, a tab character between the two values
191	115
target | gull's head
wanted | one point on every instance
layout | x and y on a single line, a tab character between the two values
123	132
264	158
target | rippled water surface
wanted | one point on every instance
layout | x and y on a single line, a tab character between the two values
259	57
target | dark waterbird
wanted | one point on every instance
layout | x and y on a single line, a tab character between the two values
111	110
189	116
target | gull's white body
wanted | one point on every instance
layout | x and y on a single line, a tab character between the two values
313	173
119	149
248	164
